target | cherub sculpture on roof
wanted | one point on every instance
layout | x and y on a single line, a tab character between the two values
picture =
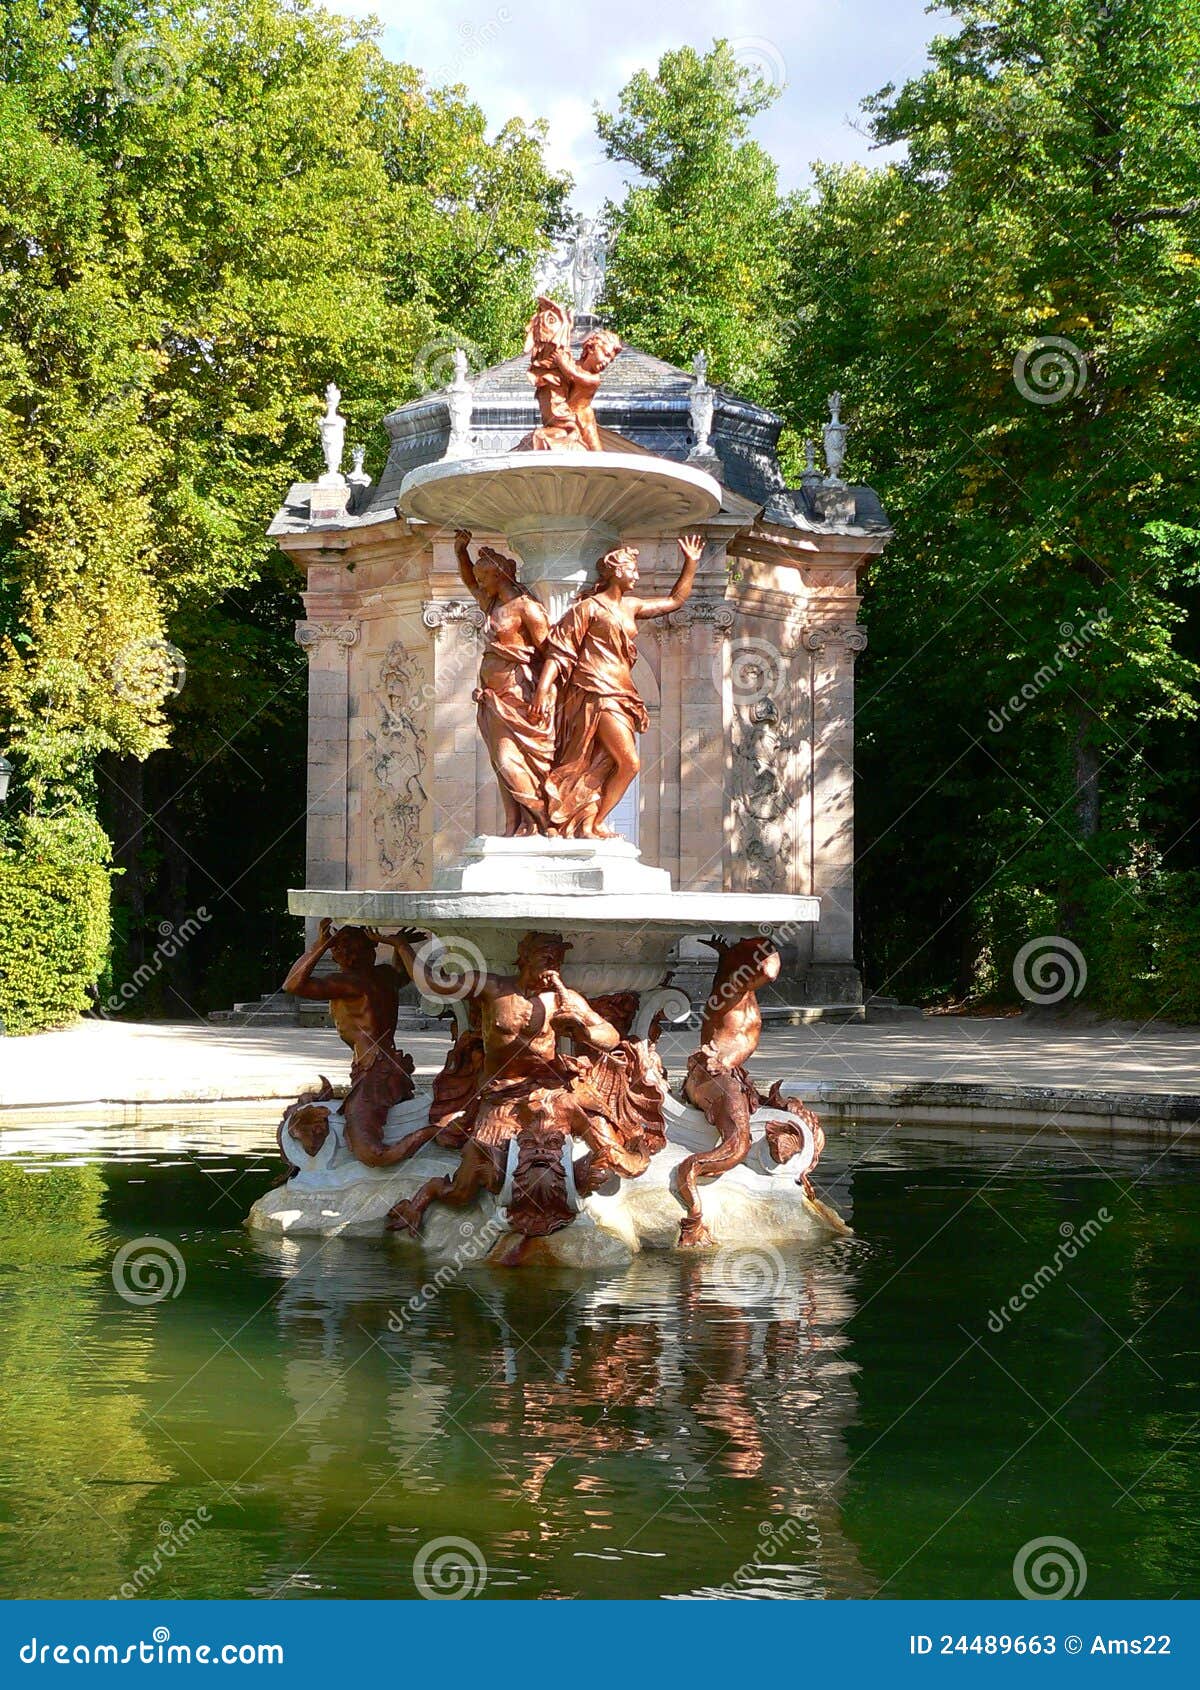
565	385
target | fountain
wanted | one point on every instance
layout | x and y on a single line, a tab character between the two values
551	1131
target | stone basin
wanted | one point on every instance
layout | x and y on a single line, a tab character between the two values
560	510
621	941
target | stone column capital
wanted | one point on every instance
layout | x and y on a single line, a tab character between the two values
439	614
718	613
818	635
311	635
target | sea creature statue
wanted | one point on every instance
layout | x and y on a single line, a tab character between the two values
718	1084
587	682
532	1101
456	1086
364	998
519	745
565	386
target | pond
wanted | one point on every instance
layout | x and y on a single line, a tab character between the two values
1005	1351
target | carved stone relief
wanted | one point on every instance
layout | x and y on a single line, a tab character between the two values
397	754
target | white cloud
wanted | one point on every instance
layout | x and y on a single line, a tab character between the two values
522	58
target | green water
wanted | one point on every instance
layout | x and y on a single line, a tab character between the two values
858	1430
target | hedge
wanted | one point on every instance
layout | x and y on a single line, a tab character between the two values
54	920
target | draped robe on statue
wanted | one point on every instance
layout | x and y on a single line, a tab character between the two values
504	694
595	653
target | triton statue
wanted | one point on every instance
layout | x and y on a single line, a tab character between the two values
364	997
718	1084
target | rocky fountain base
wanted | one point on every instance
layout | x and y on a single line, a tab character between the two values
759	1203
621	920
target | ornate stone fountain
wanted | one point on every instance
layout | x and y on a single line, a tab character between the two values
551	1127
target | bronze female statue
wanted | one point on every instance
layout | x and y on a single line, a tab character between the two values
520	748
590	654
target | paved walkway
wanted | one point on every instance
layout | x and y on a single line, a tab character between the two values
940	1068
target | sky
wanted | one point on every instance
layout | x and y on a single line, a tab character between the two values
528	58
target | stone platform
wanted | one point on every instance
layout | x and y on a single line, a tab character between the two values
1041	1069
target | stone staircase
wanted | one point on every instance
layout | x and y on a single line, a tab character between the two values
281	1009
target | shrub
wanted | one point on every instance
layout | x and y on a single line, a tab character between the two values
54	920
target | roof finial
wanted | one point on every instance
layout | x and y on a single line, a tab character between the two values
333	430
701	402
834	441
331	493
459	403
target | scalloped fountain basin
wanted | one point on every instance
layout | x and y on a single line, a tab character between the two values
560	510
620	914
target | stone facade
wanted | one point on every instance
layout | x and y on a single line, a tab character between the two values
747	767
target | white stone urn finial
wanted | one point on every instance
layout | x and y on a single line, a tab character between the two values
333	431
459	401
834	440
358	476
700	406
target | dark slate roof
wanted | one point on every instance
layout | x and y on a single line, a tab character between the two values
641	398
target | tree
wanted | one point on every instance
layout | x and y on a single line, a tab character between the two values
1011	312
207	211
695	265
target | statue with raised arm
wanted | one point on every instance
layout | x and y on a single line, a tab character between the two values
530	1101
590	654
565	385
364	999
514	637
719	1085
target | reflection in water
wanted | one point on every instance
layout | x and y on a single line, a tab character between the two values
833	1420
595	1421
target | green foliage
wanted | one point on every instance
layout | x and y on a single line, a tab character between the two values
1038	602
208	209
54	915
696	264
